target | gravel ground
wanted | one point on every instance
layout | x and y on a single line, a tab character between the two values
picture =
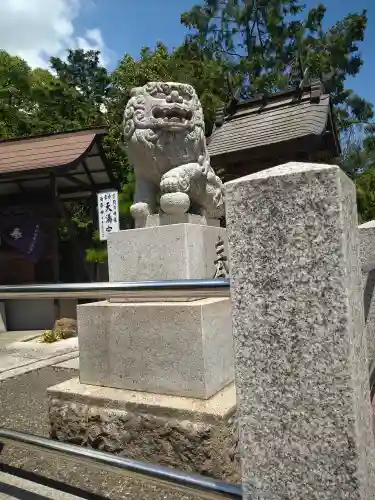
23	408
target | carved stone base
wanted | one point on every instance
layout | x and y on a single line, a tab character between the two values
185	433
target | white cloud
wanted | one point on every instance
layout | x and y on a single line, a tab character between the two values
38	29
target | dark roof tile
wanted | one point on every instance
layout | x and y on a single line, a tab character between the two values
48	151
282	119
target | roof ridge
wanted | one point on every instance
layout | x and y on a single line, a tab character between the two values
99	131
280	121
256	108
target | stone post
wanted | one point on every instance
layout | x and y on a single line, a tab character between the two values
300	348
367	239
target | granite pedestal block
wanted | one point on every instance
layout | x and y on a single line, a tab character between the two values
184	433
179	348
166	252
298	327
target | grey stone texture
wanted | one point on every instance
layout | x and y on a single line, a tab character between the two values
300	347
167	219
181	348
367	247
172	252
3	319
192	435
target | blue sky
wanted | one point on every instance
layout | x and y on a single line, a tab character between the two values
39	29
127	25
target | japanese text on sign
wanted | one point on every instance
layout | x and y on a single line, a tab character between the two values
108	213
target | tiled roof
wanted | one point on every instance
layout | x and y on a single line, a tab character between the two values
47	151
76	159
283	118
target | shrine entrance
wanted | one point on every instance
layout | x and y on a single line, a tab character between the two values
38	176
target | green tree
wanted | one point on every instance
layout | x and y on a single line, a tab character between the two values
83	88
267	45
358	161
252	39
38	101
263	42
185	64
16	105
83	72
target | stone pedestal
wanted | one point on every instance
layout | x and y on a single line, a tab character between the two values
181	348
184	433
156	377
164	252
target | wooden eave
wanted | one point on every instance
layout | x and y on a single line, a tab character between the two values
76	159
290	122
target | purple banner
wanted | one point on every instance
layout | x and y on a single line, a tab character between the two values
24	234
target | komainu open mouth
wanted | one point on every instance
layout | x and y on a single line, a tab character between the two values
172	115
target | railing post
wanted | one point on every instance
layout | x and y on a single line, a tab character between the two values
300	348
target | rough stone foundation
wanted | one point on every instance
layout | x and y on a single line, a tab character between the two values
201	441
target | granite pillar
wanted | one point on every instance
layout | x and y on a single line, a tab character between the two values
300	348
367	246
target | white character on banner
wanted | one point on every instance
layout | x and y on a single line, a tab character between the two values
16	233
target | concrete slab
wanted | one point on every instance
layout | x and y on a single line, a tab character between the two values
219	406
172	252
12	487
18	336
9	362
21	357
35	364
38	350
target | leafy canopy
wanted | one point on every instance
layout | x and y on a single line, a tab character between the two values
265	44
251	45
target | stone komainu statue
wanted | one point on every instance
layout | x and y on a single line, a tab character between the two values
164	132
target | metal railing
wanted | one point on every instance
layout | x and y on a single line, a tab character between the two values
184	482
205	487
121	290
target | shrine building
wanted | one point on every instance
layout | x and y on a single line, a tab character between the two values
38	176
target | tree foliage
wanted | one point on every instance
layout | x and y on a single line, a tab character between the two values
265	44
248	45
36	101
